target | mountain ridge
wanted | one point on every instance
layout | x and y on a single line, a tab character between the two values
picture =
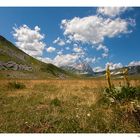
80	68
13	59
132	70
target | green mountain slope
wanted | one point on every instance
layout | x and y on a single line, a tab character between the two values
14	63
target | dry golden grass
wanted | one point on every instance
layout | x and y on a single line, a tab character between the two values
87	90
60	106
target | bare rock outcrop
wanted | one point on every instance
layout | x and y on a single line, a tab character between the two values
11	65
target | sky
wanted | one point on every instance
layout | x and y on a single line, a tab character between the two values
68	35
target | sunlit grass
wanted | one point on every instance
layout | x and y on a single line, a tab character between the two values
50	106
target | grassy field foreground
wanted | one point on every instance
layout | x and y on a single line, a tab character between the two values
61	106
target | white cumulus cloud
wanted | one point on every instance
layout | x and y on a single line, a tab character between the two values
50	49
93	29
77	50
102	47
114	65
65	59
90	59
67	48
61	60
59	41
105	50
60	52
98	69
111	11
134	63
29	40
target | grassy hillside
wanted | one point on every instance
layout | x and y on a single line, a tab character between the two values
9	52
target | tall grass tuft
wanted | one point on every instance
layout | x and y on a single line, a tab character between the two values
125	75
16	85
56	102
124	92
108	77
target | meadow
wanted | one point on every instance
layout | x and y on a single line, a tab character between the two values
65	106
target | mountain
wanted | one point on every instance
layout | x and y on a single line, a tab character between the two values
132	70
14	63
80	68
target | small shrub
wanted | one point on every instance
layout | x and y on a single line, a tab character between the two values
123	93
56	102
138	92
16	85
126	93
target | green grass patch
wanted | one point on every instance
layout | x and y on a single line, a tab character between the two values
56	102
16	85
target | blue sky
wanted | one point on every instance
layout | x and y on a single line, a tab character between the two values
97	36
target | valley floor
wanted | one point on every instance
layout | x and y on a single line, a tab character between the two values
63	106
